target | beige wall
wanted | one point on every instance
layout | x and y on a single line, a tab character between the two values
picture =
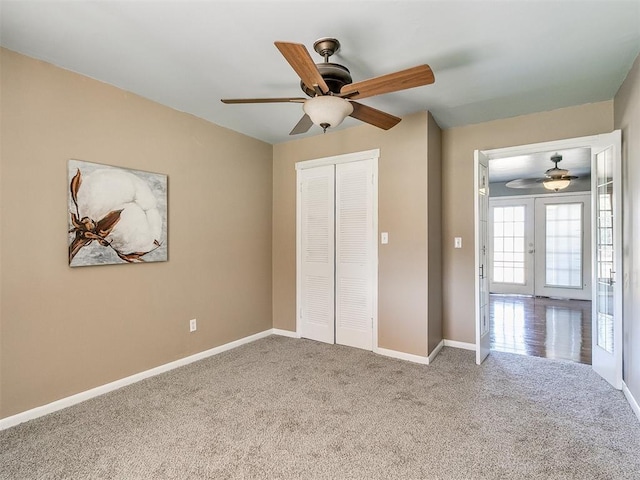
458	145
402	211
67	330
627	118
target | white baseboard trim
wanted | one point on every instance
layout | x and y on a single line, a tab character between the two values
463	345
380	351
410	357
632	401
436	351
285	333
123	382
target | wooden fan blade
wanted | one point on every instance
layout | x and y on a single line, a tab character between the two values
263	100
298	57
373	116
302	126
392	82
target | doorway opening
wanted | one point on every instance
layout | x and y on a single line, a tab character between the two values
539	260
564	272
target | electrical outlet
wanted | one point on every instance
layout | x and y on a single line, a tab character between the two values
192	325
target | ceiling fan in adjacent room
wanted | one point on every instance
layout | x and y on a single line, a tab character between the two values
555	178
332	92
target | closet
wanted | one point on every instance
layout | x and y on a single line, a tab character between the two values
337	249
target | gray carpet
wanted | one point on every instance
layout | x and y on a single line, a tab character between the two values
297	409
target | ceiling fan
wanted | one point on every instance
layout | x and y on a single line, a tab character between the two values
555	178
332	92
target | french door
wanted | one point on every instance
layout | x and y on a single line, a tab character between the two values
337	251
481	197
540	246
607	259
563	247
512	246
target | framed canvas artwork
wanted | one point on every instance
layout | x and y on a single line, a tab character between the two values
116	215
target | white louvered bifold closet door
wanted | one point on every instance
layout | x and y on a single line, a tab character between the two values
317	253
354	252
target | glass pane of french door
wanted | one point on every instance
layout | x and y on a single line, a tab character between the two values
604	251
508	244
563	259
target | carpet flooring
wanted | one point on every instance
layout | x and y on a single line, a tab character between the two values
282	408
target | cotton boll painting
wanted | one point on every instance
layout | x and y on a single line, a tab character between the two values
116	215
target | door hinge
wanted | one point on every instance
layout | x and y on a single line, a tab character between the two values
301	313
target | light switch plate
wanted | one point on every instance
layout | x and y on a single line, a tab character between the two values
384	238
457	242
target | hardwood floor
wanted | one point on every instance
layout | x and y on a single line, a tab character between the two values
541	327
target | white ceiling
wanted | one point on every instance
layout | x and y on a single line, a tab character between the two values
491	59
576	160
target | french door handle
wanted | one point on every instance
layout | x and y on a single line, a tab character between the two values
612	279
531	251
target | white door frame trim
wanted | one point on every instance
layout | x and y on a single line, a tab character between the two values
541	146
335	160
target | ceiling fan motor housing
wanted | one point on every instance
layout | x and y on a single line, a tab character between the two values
334	75
556	172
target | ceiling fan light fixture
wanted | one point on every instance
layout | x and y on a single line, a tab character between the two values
556	184
327	111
